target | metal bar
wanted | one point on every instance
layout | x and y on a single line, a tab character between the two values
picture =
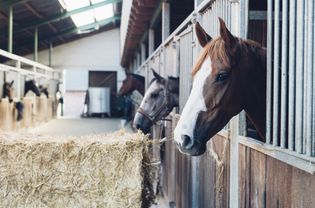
313	95
276	58
269	72
10	30
309	77
292	56
284	76
50	53
299	76
36	44
58	17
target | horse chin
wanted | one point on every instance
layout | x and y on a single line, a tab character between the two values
196	150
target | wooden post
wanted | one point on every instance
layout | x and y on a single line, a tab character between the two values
165	20
142	53
10	30
151	41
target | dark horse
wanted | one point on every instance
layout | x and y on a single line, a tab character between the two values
9	93
159	100
131	83
30	85
44	90
229	76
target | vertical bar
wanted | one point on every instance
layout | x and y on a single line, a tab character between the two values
276	60
309	77
18	84
313	95
151	41
269	71
292	48
10	30
284	76
50	53
299	77
36	44
165	20
142	53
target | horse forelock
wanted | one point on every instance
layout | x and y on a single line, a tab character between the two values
216	50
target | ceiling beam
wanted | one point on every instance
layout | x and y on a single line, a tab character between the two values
72	30
8	3
63	15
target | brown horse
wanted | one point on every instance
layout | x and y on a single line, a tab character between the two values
8	92
131	83
229	76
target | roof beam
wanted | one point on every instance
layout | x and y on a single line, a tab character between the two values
74	30
8	3
63	15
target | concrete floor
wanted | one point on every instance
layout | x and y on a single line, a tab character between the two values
77	126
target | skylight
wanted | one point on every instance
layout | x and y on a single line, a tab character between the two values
89	16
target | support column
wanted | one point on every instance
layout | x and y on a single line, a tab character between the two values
35	44
50	53
151	41
165	20
142	53
10	30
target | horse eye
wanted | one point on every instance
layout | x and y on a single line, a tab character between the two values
154	95
222	77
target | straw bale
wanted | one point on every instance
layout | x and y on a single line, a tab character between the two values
89	171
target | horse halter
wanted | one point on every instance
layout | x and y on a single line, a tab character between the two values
164	109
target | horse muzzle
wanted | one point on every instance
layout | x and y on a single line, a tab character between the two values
142	123
191	146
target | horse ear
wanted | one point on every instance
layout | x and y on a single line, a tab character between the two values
11	84
202	36
157	76
228	38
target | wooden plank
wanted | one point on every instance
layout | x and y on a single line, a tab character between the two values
278	183
257	179
242	176
302	189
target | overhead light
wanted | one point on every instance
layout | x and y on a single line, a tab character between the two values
89	16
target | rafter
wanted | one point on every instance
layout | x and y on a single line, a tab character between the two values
63	15
8	3
73	30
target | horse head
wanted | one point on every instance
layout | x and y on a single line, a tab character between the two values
229	76
159	100
132	82
44	90
8	90
30	85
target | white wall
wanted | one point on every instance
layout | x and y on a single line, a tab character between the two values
97	52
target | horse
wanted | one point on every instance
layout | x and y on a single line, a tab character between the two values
8	92
44	90
229	76
30	85
159	100
131	83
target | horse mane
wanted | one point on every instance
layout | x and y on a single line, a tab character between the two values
138	77
216	50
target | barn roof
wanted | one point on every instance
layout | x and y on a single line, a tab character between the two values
141	13
53	22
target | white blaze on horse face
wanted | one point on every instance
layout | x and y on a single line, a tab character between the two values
144	104
194	105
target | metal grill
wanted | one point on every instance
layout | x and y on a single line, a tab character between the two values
290	76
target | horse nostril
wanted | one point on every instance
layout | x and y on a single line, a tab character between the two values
188	143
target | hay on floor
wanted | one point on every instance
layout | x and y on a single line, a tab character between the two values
90	171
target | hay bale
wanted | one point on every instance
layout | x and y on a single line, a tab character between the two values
90	171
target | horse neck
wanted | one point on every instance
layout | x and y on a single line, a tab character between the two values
256	97
174	91
139	86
